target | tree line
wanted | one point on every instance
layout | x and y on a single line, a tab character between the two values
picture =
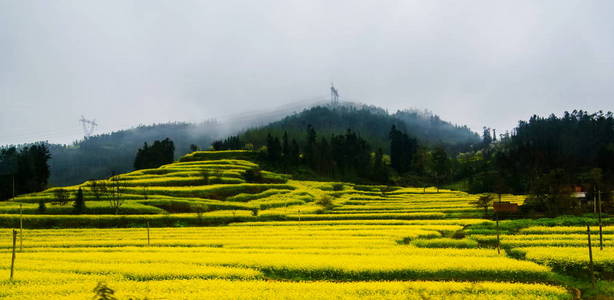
372	123
97	156
547	158
110	190
159	153
350	157
23	170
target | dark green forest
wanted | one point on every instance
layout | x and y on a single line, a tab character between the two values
98	156
372	123
546	157
23	170
158	154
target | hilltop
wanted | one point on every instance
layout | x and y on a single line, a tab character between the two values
100	155
371	123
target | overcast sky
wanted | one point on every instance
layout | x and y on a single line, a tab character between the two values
124	63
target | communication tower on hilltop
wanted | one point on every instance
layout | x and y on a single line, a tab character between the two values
334	95
88	126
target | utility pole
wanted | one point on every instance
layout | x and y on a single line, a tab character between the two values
498	237
600	225
594	200
20	228
13	255
590	254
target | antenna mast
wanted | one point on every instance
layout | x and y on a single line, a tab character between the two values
88	126
334	95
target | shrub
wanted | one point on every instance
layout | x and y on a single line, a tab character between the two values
41	206
61	196
326	201
459	234
338	187
253	175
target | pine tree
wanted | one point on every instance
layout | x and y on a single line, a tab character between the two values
159	153
440	166
273	149
380	173
79	204
295	152
402	150
285	147
41	206
486	137
310	147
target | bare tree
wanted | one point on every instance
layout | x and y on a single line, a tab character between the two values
98	188
61	196
484	202
117	186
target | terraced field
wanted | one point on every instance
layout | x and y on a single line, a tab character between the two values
278	238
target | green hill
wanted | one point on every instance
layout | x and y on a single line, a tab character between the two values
218	187
372	123
101	155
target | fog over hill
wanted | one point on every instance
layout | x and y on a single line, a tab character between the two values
490	63
100	155
370	122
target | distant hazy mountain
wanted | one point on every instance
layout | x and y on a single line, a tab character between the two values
428	127
98	156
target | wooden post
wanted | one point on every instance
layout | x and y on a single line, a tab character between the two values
590	254
299	215
498	238
20	227
148	240
594	200
13	256
600	225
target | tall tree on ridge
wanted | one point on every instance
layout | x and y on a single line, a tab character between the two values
402	150
159	153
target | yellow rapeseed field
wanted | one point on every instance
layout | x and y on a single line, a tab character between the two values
287	239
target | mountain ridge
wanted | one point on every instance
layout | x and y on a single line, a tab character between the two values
100	155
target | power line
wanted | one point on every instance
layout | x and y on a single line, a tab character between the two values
88	126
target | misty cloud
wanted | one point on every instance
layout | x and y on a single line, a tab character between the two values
126	63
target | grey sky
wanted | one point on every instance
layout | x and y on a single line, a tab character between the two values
126	63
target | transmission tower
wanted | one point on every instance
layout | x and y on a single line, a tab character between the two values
334	94
88	126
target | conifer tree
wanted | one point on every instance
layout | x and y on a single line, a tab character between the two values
79	204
